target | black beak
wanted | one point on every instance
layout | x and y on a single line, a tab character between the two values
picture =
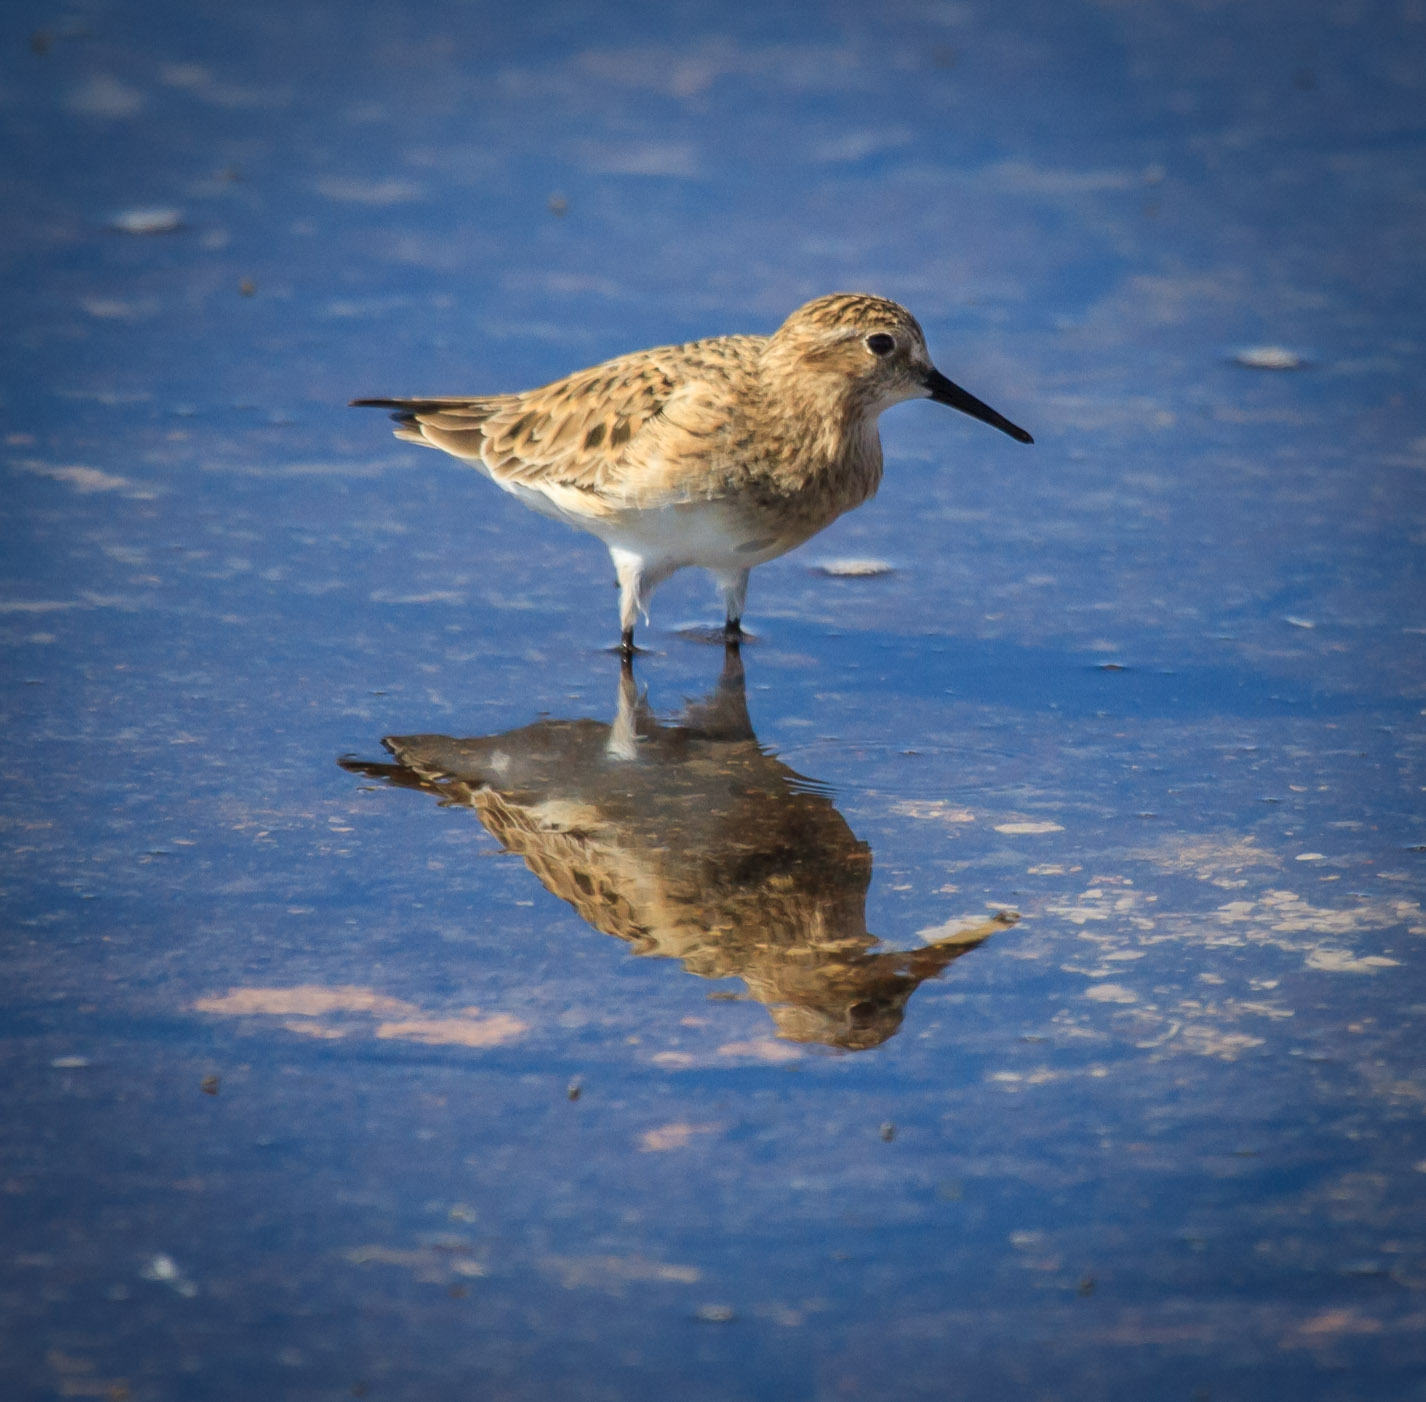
943	391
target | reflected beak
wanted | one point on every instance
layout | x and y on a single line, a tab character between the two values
944	391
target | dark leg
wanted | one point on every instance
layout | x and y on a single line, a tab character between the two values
626	643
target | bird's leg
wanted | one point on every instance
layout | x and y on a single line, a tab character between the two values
735	594
638	578
630	572
623	742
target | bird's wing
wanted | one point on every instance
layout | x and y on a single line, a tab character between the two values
610	430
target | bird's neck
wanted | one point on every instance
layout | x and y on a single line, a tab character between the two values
810	410
828	439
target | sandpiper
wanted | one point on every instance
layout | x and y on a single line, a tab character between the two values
723	453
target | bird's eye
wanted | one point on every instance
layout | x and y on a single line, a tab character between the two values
862	1014
879	343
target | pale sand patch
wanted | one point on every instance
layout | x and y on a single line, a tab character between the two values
1111	993
677	1135
83	479
761	1049
304	1000
613	1272
468	1029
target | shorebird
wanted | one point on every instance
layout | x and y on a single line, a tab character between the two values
723	453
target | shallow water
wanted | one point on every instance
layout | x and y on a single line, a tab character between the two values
560	1060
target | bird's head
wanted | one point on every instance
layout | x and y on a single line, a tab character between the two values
872	352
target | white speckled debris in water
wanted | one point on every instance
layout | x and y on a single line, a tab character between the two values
1269	358
147	221
853	568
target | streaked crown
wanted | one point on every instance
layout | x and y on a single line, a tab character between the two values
846	314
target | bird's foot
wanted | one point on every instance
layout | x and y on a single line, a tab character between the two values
719	637
625	646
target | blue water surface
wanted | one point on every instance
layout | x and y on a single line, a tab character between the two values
674	1034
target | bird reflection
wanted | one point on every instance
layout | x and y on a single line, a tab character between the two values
691	842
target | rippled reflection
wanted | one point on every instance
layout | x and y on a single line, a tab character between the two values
690	841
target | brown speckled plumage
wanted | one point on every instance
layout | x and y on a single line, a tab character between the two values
723	453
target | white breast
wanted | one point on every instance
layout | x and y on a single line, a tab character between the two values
706	534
